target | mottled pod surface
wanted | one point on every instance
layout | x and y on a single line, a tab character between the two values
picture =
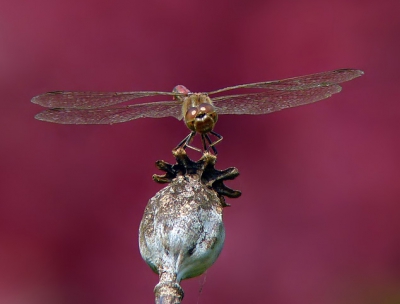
182	232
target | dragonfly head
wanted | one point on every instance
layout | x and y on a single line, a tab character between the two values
201	118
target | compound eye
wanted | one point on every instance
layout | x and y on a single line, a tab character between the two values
206	108
191	114
181	91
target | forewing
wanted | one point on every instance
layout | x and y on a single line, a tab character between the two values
111	115
270	101
88	100
301	82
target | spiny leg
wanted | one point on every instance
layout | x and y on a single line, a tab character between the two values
182	143
189	140
185	142
217	141
203	140
204	137
210	144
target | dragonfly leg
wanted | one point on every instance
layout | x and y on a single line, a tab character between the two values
203	140
218	140
211	145
186	141
189	139
182	144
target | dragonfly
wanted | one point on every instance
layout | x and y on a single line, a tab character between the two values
199	111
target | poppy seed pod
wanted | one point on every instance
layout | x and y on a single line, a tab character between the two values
182	233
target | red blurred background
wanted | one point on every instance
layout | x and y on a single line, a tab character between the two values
318	221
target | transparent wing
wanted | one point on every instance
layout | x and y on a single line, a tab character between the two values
111	115
272	100
94	107
302	82
89	100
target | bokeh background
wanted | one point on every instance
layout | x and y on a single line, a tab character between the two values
318	221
